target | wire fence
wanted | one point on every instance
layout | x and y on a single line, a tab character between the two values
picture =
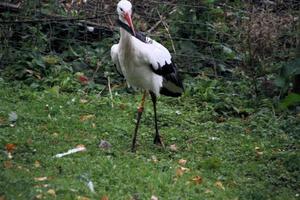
197	34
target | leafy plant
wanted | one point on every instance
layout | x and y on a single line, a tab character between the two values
287	73
291	100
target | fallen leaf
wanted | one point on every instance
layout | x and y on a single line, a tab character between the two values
29	141
219	185
55	134
82	198
80	146
86	117
39	196
154	159
10	147
83	101
51	192
41	178
8	164
247	130
2	121
37	164
182	162
207	191
221	119
41	186
2	197
181	170
154	197
258	151
104	197
197	180
173	147
83	79
122	106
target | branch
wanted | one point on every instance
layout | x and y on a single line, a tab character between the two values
167	29
9	7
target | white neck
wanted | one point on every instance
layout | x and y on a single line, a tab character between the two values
125	38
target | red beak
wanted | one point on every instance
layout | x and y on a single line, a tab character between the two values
129	21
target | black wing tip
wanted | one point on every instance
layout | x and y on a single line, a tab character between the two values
166	92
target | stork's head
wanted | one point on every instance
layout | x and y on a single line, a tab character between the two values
124	10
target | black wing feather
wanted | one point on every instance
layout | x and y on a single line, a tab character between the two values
172	84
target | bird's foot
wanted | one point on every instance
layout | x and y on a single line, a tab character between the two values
158	141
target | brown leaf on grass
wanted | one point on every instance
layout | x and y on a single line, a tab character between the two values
82	198
80	146
154	197
8	164
219	185
55	134
258	151
41	178
29	141
122	106
10	147
51	192
197	180
86	117
173	147
41	186
154	159
2	121
182	162
37	164
248	131
104	197
208	191
83	101
2	197
181	170
39	196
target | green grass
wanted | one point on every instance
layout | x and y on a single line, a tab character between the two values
217	127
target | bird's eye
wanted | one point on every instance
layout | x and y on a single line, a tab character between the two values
121	9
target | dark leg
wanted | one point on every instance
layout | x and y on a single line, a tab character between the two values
138	119
157	138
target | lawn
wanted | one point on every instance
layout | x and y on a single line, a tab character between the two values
221	143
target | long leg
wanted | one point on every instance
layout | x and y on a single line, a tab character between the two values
157	138
138	119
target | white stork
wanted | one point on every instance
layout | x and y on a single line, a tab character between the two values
145	64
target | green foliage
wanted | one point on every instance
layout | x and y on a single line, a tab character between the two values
288	71
291	99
